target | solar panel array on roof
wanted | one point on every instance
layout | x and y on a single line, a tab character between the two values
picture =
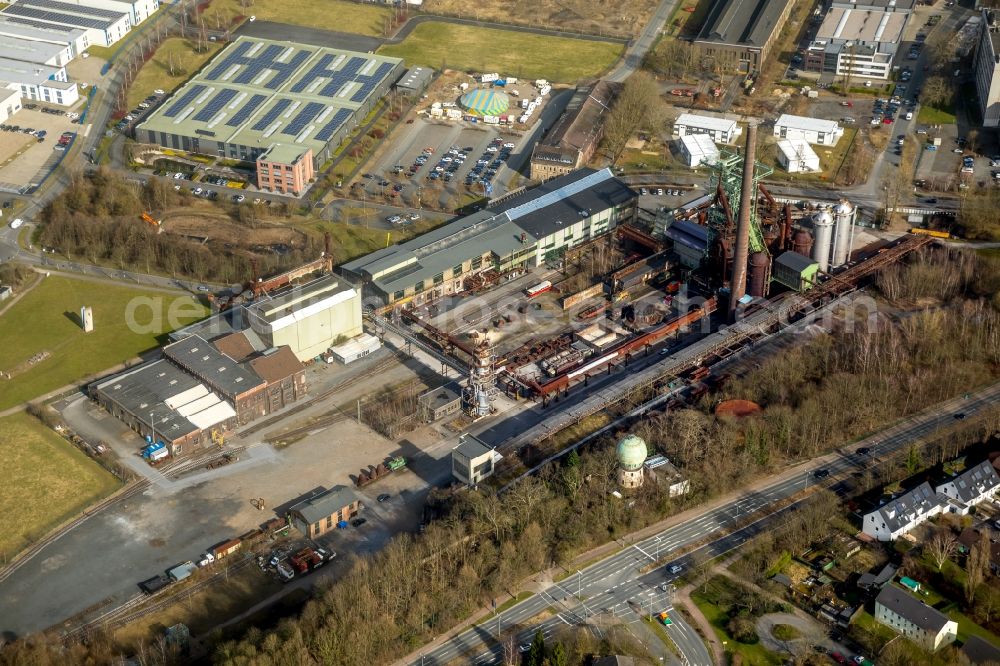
69	7
55	17
271	115
335	123
246	110
311	110
337	77
189	95
221	98
369	82
254	65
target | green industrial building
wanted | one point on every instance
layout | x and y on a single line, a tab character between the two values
257	93
795	271
516	233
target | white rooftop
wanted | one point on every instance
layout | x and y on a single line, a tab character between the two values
796	149
705	122
16	71
55	33
29	50
807	124
700	146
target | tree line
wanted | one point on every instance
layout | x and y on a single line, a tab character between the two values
97	219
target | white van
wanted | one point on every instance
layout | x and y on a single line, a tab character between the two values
17	222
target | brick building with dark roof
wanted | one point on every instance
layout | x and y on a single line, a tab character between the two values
572	140
738	34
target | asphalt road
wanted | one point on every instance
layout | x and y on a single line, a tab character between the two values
638	48
618	584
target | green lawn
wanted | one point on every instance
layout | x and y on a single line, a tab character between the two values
46	481
175	52
928	115
363	19
523	55
45	322
751	654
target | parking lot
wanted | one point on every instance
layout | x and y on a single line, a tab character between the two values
141	110
22	155
418	168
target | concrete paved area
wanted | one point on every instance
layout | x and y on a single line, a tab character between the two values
177	519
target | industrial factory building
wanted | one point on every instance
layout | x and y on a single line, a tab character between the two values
573	138
516	233
72	41
257	93
811	130
196	392
309	318
737	35
722	130
104	22
795	271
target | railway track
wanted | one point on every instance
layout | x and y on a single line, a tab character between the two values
374	370
140	605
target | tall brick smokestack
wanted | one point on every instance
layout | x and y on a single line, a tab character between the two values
738	283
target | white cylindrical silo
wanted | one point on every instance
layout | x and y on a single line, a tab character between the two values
843	216
823	225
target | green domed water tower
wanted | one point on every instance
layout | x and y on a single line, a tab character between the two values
632	453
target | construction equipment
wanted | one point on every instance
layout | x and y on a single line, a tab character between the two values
157	224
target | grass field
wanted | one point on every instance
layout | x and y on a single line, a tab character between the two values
334	15
523	55
45	321
46	481
928	115
177	52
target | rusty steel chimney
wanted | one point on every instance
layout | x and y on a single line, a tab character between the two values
738	284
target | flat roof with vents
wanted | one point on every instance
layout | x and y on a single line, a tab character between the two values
204	361
258	92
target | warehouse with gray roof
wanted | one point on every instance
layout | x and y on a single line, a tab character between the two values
518	232
257	93
103	27
738	34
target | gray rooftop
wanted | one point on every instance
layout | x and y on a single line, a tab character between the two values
544	210
215	326
325	504
899	512
256	92
471	446
29	50
910	608
975	481
45	32
795	261
203	360
743	22
535	213
17	71
415	79
298	297
64	13
142	390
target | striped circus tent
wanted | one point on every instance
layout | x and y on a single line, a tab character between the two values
485	102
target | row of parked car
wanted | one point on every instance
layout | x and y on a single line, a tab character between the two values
141	109
489	163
